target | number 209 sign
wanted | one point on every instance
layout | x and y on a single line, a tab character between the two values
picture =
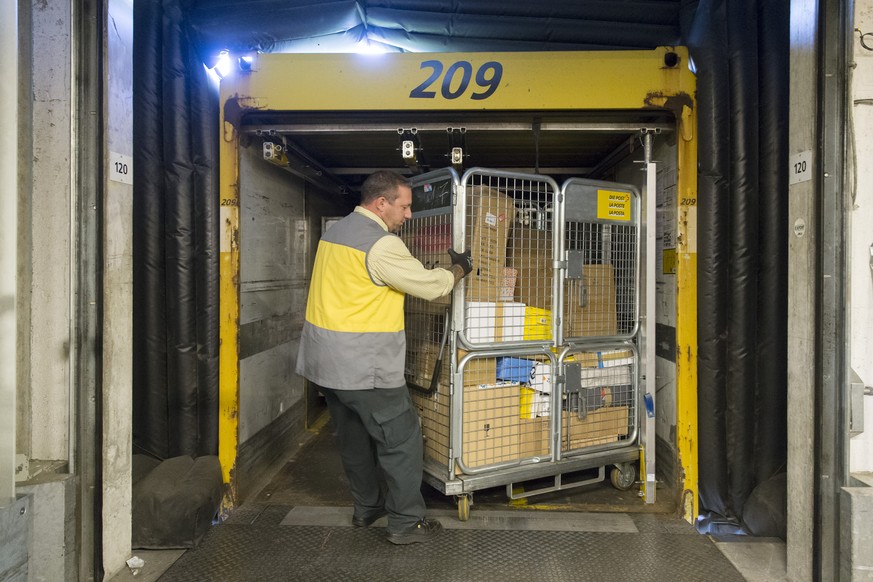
458	80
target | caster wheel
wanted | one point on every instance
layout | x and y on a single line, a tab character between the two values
463	507
623	476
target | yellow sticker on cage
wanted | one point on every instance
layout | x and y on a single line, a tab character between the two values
612	205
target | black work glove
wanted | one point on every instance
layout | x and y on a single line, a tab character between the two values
463	260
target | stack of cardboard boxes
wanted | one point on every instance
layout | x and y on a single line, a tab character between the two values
490	428
589	303
508	298
602	426
605	423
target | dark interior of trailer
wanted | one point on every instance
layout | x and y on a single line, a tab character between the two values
341	149
333	152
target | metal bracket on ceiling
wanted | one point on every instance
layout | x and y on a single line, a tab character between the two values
457	147
280	151
646	139
410	148
274	152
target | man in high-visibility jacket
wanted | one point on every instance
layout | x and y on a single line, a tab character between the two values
353	347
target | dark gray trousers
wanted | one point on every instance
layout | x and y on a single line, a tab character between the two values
379	428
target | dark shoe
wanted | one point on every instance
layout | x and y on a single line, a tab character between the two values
422	531
369	520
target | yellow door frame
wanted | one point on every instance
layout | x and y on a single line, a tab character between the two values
572	81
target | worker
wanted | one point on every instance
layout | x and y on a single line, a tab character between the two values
353	348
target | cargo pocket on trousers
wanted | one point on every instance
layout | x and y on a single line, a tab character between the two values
398	423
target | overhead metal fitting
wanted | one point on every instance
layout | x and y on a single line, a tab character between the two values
410	148
648	143
275	153
457	146
409	151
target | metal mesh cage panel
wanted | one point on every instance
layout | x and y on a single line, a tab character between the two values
509	233
433	410
603	302
599	404
496	426
500	404
428	239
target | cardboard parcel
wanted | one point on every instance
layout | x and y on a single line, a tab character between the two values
589	303
484	414
490	424
602	426
491	214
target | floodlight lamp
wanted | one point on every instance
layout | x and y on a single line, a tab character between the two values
365	47
223	66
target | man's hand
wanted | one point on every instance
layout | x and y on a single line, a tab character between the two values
463	260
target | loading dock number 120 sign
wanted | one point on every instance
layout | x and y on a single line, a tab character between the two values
612	205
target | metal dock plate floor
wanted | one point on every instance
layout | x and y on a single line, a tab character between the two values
491	546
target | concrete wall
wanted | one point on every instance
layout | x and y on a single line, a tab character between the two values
11	110
802	216
43	414
856	534
16	540
861	238
118	288
53	522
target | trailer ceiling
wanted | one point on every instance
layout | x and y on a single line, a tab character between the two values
346	148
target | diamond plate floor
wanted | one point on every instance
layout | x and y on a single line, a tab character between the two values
298	528
264	550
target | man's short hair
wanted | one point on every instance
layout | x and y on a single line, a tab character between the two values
382	183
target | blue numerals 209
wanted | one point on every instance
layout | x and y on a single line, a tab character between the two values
487	77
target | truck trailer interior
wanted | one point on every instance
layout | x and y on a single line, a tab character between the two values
300	168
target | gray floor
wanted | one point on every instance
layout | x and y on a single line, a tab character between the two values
559	547
298	528
251	547
757	559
